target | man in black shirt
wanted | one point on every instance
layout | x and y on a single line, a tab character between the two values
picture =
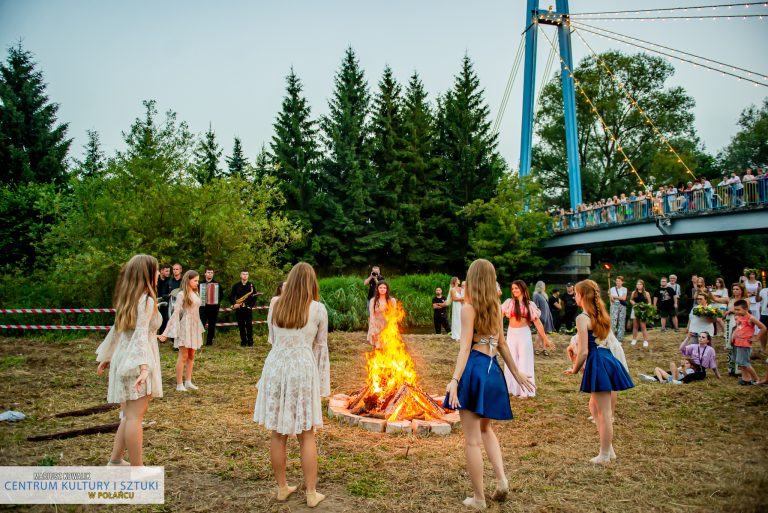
210	297
163	292
570	308
665	300
243	312
439	308
373	281
556	307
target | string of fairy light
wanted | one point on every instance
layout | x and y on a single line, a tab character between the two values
593	107
574	23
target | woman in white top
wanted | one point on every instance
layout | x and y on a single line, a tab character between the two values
720	300
130	353
618	295
295	376
456	295
753	287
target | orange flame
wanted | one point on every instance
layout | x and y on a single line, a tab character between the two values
390	365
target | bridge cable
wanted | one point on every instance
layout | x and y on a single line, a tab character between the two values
606	129
634	103
581	26
654	18
637	11
510	83
585	26
544	80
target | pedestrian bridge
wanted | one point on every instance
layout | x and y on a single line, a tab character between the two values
648	220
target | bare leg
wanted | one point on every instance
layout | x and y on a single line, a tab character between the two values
674	321
473	441
190	362
660	374
605	426
180	365
634	329
663	322
278	455
643	326
593	408
492	449
118	448
133	431
308	449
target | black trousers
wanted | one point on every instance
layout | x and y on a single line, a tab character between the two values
569	319
164	314
209	315
441	322
244	316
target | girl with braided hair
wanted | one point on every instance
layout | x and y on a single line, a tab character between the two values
603	373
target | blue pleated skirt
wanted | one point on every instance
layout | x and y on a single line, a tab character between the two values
604	373
482	388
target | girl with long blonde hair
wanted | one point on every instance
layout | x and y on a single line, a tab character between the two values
186	329
477	388
296	374
130	353
603	373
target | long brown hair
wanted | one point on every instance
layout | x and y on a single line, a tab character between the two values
137	277
594	307
481	293
291	308
525	301
387	296
184	286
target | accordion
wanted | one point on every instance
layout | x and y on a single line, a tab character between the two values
209	293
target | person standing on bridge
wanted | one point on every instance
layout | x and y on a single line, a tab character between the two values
639	295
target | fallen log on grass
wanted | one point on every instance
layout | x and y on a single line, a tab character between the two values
85	411
71	433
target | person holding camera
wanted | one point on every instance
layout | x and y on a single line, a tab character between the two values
373	281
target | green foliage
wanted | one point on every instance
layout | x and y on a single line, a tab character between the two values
27	212
6	362
346	299
749	147
367	487
207	155
95	162
603	169
508	235
645	312
33	147
237	164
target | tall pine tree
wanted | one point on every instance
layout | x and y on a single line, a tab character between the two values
392	216
295	153
468	150
237	164
33	147
207	156
94	162
346	180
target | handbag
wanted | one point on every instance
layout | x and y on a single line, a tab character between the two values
614	346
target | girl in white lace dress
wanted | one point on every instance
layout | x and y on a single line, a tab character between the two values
295	376
130	353
186	329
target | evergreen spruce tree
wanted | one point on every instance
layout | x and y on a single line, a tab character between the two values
263	167
425	191
346	180
207	156
295	153
33	147
237	164
390	238
94	163
468	150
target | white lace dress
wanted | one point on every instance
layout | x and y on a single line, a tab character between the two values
295	376
184	326
128	350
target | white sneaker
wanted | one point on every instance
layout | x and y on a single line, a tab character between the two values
645	343
648	378
181	388
190	386
676	382
634	342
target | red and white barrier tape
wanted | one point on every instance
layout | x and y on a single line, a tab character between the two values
57	310
47	327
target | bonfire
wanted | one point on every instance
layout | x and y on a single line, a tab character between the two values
391	390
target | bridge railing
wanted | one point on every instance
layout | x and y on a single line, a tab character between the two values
730	196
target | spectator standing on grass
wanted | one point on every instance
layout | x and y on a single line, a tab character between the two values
752	286
210	296
163	293
720	300
570	308
618	296
373	280
678	294
556	308
456	298
541	300
665	301
737	293
639	295
243	299
746	325
440	312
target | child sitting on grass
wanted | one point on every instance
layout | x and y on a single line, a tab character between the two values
675	376
742	340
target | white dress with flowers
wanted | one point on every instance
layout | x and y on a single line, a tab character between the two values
295	376
128	350
184	326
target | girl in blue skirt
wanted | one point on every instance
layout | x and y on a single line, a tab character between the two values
478	389
603	374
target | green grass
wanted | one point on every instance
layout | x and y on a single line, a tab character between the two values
12	361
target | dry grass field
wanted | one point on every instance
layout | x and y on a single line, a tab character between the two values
687	448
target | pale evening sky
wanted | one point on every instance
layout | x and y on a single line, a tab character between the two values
225	62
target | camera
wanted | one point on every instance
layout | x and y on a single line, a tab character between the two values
375	275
